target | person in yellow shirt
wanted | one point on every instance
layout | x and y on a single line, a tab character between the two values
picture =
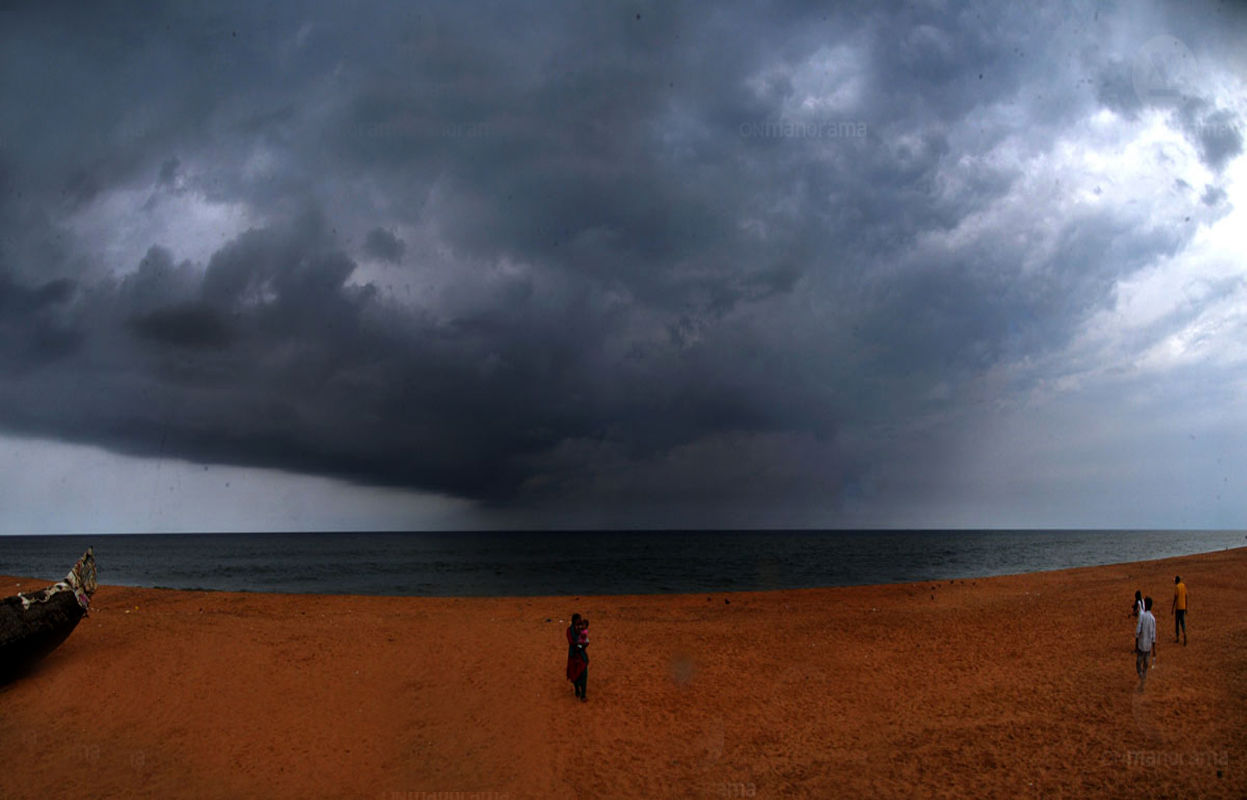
1178	608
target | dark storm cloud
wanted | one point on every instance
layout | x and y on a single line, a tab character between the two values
20	300
168	172
384	245
184	325
32	331
648	242
273	359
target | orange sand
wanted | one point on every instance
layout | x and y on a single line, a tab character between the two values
1020	686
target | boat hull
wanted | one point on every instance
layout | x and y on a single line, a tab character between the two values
27	635
33	625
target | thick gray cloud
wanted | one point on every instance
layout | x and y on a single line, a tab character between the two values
660	262
384	245
1218	135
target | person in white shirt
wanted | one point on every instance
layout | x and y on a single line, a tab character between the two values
1144	641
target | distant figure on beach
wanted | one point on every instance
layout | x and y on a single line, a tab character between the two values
578	656
1136	609
1178	608
1144	641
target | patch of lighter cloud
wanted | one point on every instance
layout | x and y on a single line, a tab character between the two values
195	228
372	272
1215	337
261	165
754	228
1203	288
120	226
1103	120
300	38
428	270
1136	165
1101	164
831	81
1132	162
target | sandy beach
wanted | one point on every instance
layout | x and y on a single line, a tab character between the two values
1019	686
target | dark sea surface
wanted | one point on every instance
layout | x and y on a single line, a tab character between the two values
548	563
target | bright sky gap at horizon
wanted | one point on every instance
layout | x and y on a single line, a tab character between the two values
555	266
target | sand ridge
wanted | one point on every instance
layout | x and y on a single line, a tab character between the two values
1012	686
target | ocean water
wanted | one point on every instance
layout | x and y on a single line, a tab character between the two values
550	563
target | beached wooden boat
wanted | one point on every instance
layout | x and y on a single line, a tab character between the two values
32	624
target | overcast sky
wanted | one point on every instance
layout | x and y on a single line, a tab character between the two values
271	265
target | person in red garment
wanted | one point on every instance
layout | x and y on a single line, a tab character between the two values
577	657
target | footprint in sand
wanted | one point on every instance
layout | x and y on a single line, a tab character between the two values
711	740
683	668
1141	710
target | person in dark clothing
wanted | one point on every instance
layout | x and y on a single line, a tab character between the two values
577	657
1135	610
